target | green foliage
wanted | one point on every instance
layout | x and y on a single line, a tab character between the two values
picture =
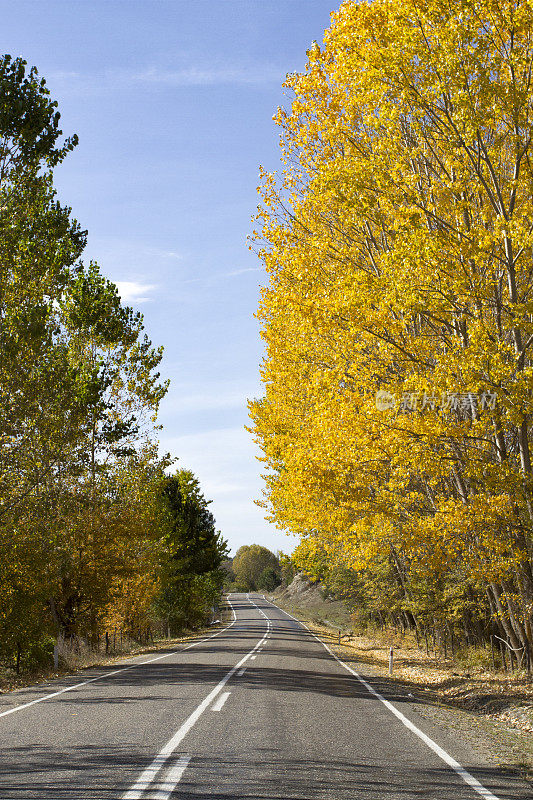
195	544
29	120
39	654
192	576
477	658
228	576
250	562
238	586
92	531
269	579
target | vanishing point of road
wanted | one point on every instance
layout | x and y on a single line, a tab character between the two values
259	709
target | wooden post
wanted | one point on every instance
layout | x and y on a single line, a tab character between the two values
391	660
504	660
339	636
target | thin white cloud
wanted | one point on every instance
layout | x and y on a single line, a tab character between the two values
241	271
109	81
134	292
227	452
209	76
208	398
211	279
62	75
209	402
116	248
212	487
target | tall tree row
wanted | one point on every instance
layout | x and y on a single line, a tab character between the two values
83	514
398	238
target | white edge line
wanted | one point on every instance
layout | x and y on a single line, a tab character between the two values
442	754
116	671
147	775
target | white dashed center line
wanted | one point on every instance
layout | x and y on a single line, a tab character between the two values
220	702
147	780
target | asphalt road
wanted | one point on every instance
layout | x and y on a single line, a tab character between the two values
258	710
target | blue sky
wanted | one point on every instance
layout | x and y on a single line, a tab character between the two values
172	101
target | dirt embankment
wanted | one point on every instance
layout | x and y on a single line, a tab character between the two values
311	597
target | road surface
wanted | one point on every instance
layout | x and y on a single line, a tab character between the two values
256	711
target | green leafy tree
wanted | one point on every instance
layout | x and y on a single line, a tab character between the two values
41	391
93	533
29	122
250	562
269	579
227	570
192	576
79	394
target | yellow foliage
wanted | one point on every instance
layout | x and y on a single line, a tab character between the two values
398	242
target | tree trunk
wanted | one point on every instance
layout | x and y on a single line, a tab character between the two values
509	632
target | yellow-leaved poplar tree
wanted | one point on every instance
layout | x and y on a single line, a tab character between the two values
398	320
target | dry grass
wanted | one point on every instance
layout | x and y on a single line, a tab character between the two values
73	662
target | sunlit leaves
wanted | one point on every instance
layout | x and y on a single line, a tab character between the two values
398	245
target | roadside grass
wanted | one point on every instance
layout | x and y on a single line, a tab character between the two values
73	662
496	706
